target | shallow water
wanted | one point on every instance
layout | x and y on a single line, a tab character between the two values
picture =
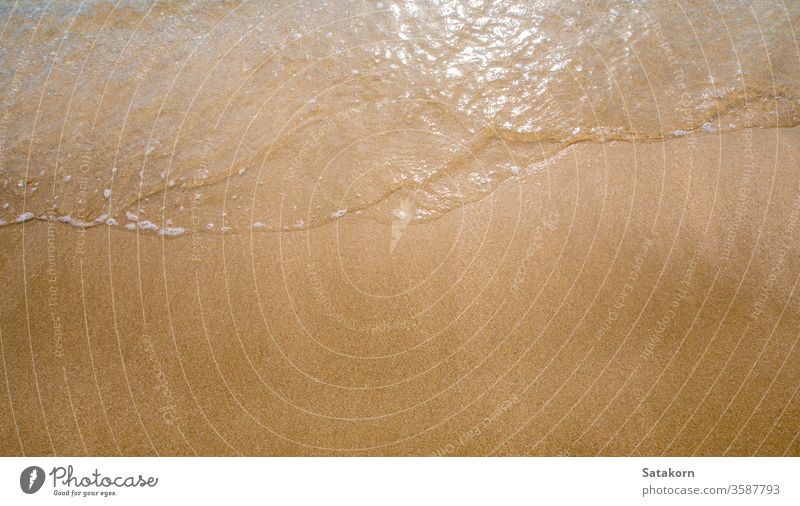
247	116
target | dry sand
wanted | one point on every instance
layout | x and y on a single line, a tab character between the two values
627	299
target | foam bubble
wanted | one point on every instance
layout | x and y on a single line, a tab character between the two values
147	225
74	221
172	231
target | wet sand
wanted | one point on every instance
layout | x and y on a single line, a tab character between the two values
627	299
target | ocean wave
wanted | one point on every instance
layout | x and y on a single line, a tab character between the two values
295	116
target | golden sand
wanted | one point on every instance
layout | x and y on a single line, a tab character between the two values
628	299
399	228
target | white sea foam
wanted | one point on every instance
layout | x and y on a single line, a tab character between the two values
172	231
75	222
147	225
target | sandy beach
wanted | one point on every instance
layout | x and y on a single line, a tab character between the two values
255	231
629	299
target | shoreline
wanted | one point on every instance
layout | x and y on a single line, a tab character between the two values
626	299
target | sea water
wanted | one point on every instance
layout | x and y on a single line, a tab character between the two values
157	117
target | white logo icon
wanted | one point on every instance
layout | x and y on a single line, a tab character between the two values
31	479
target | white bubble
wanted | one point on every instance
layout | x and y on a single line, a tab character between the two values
172	231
